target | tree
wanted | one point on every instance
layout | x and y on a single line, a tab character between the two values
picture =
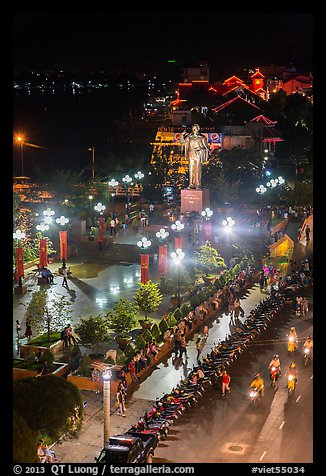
148	297
50	405
48	315
122	318
24	441
93	331
208	258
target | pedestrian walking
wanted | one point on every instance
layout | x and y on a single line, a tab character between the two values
198	347
307	233
121	400
183	346
226	379
65	275
18	329
205	331
28	331
112	227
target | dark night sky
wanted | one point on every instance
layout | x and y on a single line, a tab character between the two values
99	40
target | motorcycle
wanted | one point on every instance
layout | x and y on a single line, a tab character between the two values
254	394
274	374
291	382
292	344
306	355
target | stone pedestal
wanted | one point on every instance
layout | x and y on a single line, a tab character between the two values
193	200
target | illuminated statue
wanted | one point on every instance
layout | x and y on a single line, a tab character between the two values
197	152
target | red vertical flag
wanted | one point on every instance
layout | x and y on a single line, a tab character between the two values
19	263
178	242
43	253
144	268
63	245
100	238
163	260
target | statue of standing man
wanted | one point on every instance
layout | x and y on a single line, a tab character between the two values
197	152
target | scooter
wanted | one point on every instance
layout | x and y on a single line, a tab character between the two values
255	394
274	374
306	355
292	344
291	382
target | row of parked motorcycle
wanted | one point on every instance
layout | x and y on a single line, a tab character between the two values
169	408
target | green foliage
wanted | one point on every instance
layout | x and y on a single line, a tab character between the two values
110	360
147	335
148	297
140	342
48	356
177	314
184	308
129	350
122	318
194	301
48	313
163	326
121	357
85	365
37	399
24	441
166	285
155	331
93	331
208	259
171	320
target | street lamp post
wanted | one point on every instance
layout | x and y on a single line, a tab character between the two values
92	149
162	253
143	244
113	183
228	224
207	213
177	226
126	180
138	176
177	257
20	139
106	376
90	198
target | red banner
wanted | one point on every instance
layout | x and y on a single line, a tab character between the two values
101	221
43	253
63	245
163	260
144	269
19	263
208	232
178	242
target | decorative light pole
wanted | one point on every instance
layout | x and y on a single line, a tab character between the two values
99	208
127	180
19	235
42	227
162	253
113	184
63	235
90	198
139	176
106	376
20	140
92	149
143	244
177	257
177	226
228	225
48	214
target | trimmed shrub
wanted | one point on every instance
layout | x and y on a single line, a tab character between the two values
147	336
24	441
156	333
163	326
171	320
129	351
195	301
184	308
177	314
85	365
47	355
140	342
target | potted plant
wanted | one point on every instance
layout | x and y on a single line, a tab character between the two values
121	319
148	299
